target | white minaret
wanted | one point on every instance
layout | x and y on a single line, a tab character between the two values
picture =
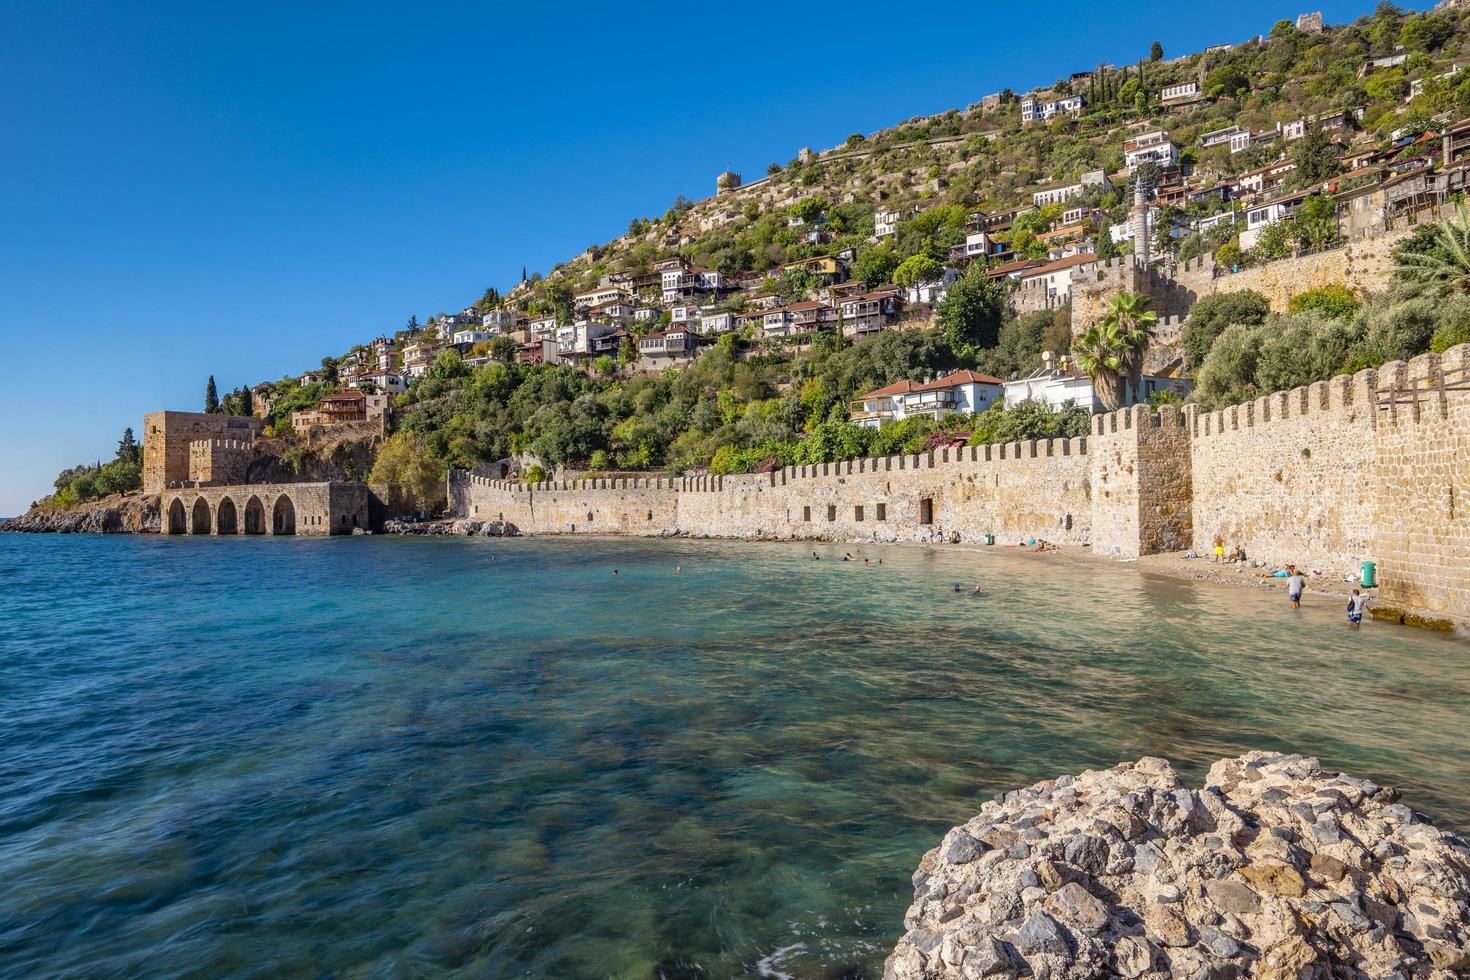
1142	247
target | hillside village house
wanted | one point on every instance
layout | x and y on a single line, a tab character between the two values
680	280
469	337
383	382
601	295
867	313
932	293
797	318
1060	193
885	222
1058	382
964	392
418	356
1241	141
1267	179
499	321
540	351
1179	93
1056	277
1155	147
543	327
1217	137
828	268
1263	214
1035	110
661	351
715	323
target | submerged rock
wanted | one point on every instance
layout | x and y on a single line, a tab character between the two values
1275	869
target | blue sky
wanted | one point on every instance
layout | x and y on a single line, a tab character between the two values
238	191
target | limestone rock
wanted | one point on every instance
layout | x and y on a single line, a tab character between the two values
1276	869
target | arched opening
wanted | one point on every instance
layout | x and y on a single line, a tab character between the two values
227	520
199	523
283	519
178	523
254	516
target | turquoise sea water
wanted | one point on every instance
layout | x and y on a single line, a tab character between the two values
405	757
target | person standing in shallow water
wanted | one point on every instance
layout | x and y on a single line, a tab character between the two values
1296	583
1357	605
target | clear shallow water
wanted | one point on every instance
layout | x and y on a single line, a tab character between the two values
397	757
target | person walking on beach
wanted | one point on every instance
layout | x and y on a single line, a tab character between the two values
1357	603
1219	549
1296	582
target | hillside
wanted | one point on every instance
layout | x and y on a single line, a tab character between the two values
950	242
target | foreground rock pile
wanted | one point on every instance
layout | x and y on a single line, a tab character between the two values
1275	870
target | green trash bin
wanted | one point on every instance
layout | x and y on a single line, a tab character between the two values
1370	570
990	539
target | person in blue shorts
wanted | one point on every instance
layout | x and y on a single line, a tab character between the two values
1296	582
1357	603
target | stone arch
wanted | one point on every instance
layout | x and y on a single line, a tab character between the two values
226	518
283	516
199	518
254	516
178	520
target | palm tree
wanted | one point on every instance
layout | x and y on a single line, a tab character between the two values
1102	354
1129	314
1444	265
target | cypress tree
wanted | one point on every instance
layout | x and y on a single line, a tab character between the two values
211	396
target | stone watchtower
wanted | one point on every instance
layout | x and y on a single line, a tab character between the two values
168	439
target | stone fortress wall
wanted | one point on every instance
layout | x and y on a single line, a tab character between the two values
220	460
168	438
1370	467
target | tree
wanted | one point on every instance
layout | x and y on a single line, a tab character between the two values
504	348
329	368
406	462
875	266
1334	301
971	313
1102	354
413	323
1315	223
1210	316
916	269
211	397
1156	52
1435	260
1316	157
128	449
1129	314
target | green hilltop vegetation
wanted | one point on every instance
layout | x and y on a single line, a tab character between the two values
749	401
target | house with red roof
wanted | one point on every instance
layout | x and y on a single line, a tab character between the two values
963	392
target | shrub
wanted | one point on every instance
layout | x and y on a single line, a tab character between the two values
1210	316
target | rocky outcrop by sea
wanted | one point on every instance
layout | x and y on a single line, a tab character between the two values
461	528
134	513
1275	869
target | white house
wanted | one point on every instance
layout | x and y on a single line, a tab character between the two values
963	391
1034	110
933	292
499	321
1260	216
1056	277
385	382
471	336
1155	147
1241	141
712	323
1059	193
1056	383
885	222
1216	137
543	327
1179	92
601	295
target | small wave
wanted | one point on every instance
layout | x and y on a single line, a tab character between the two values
767	965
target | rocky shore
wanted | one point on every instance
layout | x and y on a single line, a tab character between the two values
129	513
460	528
1275	869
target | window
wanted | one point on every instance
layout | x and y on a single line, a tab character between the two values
882	512
857	512
806	514
831	512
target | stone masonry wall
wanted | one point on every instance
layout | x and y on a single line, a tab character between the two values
166	439
1421	477
1369	467
220	461
1289	476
